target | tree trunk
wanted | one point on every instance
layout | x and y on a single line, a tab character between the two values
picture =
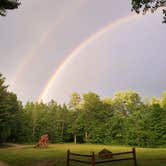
62	130
86	136
33	132
75	138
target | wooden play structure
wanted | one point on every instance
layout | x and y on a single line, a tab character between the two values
43	142
93	159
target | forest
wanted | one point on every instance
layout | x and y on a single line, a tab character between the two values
124	119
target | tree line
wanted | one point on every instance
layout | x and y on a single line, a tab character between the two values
125	118
138	6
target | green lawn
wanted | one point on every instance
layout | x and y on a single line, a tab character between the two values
55	155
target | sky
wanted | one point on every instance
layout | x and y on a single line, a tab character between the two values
50	50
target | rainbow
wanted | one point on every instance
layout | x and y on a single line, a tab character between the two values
44	37
82	46
29	56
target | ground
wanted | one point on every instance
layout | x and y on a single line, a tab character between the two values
55	155
3	164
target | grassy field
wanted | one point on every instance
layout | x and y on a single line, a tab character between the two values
55	155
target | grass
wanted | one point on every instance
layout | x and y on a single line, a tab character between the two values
27	155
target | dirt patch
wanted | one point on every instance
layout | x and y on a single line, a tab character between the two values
3	164
12	145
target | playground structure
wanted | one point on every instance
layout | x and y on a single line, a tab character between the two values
94	160
43	142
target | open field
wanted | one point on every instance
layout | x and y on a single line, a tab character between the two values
55	155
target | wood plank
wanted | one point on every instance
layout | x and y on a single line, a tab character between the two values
80	161
83	155
121	153
107	161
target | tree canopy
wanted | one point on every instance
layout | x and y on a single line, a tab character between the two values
9	106
87	118
149	5
137	6
8	5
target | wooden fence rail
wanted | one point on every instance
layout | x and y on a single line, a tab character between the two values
93	160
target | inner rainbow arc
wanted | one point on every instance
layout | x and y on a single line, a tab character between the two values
80	47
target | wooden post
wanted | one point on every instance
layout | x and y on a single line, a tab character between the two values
134	156
93	159
68	156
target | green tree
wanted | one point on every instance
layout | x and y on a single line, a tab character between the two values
127	102
163	101
75	115
75	101
73	125
91	108
9	107
31	112
156	125
16	134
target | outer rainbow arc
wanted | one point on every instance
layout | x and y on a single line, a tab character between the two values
29	57
83	45
44	37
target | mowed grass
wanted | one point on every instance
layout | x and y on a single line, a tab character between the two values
55	154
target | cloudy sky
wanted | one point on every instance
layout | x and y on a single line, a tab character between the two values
49	50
